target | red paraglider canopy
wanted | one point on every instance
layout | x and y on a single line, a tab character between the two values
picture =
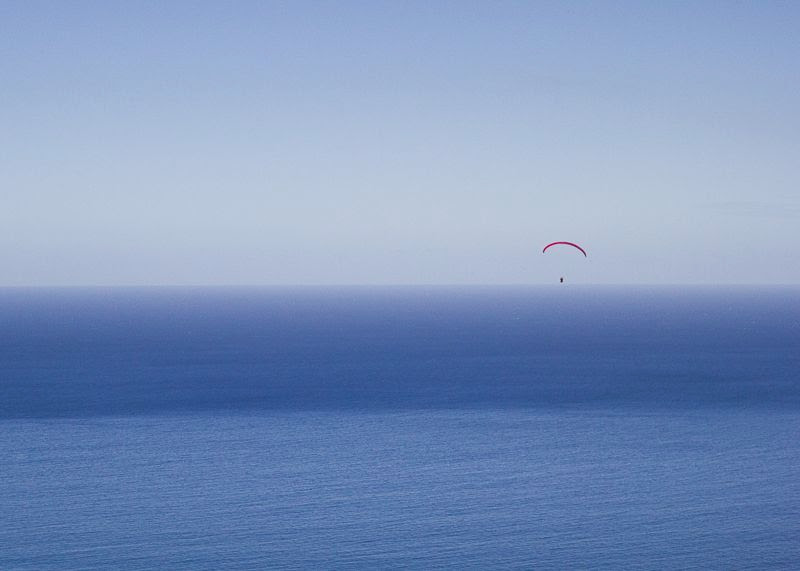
566	244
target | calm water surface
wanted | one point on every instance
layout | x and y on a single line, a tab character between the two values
400	427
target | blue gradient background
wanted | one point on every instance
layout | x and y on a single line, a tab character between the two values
389	142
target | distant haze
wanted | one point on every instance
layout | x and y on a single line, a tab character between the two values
398	142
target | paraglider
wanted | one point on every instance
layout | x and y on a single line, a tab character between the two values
572	244
565	244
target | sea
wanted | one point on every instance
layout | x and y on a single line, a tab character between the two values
518	427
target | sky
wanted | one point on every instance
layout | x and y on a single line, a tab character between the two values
168	143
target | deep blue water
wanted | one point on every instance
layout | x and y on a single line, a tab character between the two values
518	427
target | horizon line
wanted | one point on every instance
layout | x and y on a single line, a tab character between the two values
393	285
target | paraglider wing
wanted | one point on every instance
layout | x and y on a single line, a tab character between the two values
566	244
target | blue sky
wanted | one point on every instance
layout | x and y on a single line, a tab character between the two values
398	142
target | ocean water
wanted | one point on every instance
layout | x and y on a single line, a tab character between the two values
419	427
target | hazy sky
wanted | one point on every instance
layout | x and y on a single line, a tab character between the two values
398	142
